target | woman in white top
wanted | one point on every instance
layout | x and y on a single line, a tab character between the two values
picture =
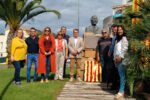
120	49
61	54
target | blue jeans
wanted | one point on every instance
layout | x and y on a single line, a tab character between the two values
18	65
30	59
121	71
48	65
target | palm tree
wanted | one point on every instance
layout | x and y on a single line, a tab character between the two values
16	12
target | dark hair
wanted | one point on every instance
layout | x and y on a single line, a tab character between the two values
118	38
76	30
32	28
113	25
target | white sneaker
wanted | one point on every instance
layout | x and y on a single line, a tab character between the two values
79	79
71	79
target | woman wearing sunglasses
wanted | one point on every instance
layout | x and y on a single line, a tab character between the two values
61	55
46	61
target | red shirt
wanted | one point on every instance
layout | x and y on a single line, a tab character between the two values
47	44
60	45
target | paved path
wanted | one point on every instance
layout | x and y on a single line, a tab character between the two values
86	91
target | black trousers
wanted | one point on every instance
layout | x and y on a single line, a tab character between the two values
64	73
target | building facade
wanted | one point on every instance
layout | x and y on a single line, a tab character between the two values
3	39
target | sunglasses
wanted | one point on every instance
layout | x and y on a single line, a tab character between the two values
104	32
60	35
47	30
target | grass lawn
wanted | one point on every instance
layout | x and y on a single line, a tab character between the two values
28	91
3	65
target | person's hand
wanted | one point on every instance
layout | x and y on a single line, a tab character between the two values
75	53
49	53
46	53
109	54
66	57
98	58
118	59
25	61
12	58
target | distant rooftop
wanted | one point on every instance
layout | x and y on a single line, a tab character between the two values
120	7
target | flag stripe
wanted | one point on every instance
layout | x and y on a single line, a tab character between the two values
98	72
91	72
95	71
85	74
87	70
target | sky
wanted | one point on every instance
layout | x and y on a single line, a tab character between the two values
69	14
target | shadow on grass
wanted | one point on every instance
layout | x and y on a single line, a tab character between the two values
7	86
51	77
5	89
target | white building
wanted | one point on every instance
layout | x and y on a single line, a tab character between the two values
3	39
120	8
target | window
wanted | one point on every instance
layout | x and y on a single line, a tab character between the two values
1	45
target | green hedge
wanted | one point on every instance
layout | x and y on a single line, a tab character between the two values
2	59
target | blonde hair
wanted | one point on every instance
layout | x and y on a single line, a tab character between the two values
59	33
22	32
50	32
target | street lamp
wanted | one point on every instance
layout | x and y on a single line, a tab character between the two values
79	15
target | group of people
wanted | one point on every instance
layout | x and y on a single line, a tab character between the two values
50	54
111	53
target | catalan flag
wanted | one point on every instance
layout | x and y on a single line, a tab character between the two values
93	71
135	8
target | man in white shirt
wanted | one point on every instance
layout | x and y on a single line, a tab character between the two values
75	48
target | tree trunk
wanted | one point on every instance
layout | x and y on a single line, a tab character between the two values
10	36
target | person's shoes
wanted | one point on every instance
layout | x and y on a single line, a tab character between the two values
28	81
64	76
42	81
119	96
18	83
34	80
71	79
62	79
55	79
79	79
46	80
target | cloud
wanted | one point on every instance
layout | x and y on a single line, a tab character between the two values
69	12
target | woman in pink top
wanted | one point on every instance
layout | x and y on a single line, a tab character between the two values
61	55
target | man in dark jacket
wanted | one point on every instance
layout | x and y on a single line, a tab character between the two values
66	37
102	54
32	53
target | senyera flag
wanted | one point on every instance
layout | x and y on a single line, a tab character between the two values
93	71
135	8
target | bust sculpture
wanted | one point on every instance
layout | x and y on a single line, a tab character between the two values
93	28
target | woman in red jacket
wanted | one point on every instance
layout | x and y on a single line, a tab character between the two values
46	62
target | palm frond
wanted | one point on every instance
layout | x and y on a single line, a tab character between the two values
30	16
17	12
